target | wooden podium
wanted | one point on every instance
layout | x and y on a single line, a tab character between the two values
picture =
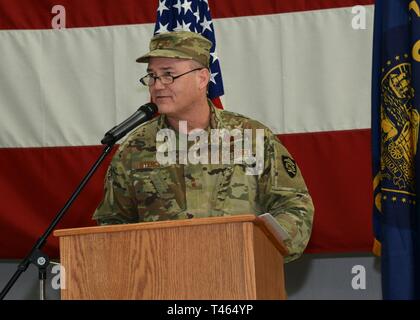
217	258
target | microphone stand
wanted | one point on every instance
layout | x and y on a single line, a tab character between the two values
36	256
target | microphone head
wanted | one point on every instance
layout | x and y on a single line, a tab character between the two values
149	109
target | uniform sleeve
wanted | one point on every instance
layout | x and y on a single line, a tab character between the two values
119	204
283	193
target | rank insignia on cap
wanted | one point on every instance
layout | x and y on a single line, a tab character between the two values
290	166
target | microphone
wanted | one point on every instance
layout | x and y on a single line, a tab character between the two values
144	113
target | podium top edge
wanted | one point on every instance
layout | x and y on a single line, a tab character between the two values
155	225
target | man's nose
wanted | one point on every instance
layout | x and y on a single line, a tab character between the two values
158	84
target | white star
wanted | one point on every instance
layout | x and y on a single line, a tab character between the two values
213	54
197	15
213	75
187	6
178	26
162	28
206	25
186	26
162	7
178	6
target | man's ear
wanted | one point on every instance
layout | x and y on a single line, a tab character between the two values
204	78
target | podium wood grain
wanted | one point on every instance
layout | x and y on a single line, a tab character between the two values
208	258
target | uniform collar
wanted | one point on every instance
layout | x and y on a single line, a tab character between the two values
216	121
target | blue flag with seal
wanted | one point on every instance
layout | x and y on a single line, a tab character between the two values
193	15
395	143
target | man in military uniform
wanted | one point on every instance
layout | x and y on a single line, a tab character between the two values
139	188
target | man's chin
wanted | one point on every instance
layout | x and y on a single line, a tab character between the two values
165	108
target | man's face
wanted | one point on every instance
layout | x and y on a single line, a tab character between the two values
178	97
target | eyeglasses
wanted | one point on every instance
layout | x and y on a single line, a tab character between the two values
150	80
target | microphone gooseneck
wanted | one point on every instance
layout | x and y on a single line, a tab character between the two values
143	114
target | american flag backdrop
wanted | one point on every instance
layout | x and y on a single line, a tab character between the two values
177	15
68	74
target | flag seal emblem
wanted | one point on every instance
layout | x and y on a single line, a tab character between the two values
400	127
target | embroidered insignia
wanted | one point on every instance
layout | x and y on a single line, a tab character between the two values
290	166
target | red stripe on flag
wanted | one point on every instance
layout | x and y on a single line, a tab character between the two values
239	8
217	103
337	169
35	14
36	182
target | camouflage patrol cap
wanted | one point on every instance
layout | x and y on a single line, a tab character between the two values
179	45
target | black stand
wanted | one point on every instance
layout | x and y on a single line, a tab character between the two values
36	256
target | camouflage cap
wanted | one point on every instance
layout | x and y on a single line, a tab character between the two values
179	45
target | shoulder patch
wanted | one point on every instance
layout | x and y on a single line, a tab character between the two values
290	166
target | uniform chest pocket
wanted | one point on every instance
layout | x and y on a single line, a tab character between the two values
160	191
232	187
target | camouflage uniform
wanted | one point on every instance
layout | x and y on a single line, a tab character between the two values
138	188
179	45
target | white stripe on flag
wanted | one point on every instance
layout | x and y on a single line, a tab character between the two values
298	72
295	72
